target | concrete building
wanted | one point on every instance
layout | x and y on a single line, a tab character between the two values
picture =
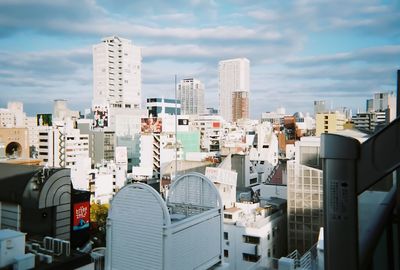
328	122
305	195
63	147
370	121
240	105
117	73
254	234
16	142
234	75
384	101
108	178
159	106
117	86
320	106
62	113
191	94
210	127
275	118
182	232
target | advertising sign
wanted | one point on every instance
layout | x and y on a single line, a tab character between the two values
151	125
183	122
44	120
216	124
100	113
81	218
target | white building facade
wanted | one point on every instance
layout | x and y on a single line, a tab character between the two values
191	94
234	75
117	73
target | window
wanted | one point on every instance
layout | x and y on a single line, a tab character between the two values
250	257
225	236
253	181
251	239
269	253
226	253
228	216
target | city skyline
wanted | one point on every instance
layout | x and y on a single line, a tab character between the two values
299	51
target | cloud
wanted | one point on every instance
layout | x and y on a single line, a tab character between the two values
390	53
188	38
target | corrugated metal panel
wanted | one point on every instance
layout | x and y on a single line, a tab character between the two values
63	221
137	220
198	246
194	189
10	216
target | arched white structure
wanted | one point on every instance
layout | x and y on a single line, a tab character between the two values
145	232
196	189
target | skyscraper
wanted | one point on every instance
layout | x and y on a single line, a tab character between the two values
117	73
117	86
240	105
191	94
234	75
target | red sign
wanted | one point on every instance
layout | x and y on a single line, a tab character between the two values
81	216
216	125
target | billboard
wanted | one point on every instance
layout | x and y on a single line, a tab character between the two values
44	120
183	122
81	218
216	124
100	113
151	125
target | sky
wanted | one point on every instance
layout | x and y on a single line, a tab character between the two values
340	51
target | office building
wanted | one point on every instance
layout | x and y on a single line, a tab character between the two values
117	86
182	232
117	73
240	105
159	106
234	75
255	234
191	94
320	107
385	101
305	195
370	121
329	122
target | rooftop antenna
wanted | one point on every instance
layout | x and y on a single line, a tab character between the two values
176	131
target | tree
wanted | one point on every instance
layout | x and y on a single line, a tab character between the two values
98	219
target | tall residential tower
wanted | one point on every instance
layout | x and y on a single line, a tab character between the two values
234	76
117	73
191	94
117	84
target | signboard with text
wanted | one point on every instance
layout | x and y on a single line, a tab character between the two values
81	218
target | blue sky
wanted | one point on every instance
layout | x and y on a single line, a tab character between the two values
341	51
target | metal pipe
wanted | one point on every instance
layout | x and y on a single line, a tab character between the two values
340	156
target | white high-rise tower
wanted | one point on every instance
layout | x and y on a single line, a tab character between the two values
234	75
117	76
117	83
191	95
